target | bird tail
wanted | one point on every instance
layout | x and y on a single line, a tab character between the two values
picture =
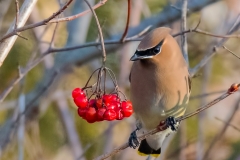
144	149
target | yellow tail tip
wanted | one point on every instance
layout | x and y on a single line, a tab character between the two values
153	155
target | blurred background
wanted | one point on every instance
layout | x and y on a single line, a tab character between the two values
51	127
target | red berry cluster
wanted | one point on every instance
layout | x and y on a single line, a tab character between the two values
107	107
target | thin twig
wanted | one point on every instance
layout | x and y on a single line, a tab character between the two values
16	119
44	22
206	94
229	124
17	14
127	23
53	50
99	32
70	18
6	45
220	134
136	38
53	37
230	51
184	47
234	28
163	125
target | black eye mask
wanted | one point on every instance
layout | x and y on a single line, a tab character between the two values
152	51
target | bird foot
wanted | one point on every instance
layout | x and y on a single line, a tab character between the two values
172	123
133	142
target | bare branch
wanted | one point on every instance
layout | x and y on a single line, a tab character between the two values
21	127
206	94
99	32
220	134
184	45
69	125
194	70
44	22
184	48
229	124
162	126
136	38
230	51
24	13
17	14
127	23
70	18
53	36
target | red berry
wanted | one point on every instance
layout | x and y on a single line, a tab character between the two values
111	106
92	103
119	114
82	112
107	98
77	92
81	101
91	115
99	103
114	98
117	104
100	113
127	109
110	115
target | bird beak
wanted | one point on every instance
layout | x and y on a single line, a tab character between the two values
136	57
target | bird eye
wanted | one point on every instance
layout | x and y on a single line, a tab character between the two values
156	50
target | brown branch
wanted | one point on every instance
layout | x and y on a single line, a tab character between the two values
50	19
99	32
136	38
90	44
53	37
15	120
230	51
206	33
70	18
234	28
220	134
127	24
17	14
16	21
229	124
44	22
206	94
162	126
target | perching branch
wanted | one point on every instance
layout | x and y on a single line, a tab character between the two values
162	126
107	42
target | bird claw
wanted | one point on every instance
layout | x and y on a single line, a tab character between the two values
133	142
172	123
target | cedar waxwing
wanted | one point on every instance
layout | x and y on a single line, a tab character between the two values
160	88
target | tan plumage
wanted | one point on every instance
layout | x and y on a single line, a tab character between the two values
159	83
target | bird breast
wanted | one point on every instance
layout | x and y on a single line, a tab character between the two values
157	93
